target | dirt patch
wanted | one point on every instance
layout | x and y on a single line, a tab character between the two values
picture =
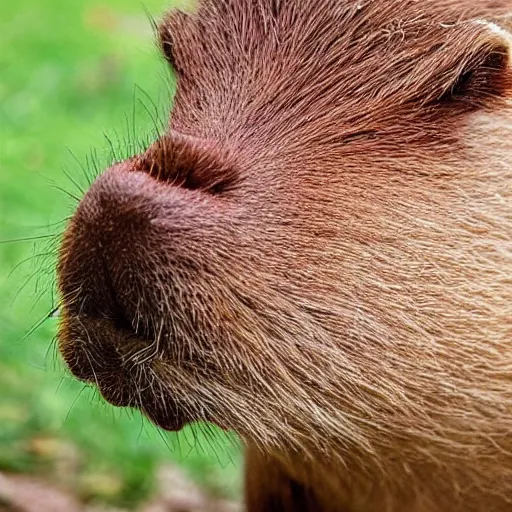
176	493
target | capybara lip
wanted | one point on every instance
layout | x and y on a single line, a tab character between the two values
118	363
169	418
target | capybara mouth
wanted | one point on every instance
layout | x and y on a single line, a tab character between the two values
119	363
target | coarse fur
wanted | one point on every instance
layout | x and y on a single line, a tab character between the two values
318	253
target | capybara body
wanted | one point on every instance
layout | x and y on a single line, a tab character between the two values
318	252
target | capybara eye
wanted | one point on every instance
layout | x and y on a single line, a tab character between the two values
483	79
167	50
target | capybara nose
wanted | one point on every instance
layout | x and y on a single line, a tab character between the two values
143	224
112	222
138	218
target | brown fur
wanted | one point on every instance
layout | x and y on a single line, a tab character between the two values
318	254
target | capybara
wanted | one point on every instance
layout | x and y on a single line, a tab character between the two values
317	254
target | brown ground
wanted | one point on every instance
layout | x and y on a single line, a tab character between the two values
19	493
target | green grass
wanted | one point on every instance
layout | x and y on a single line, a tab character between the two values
71	72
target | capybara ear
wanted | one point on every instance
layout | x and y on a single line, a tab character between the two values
474	68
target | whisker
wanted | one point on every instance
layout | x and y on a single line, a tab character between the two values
26	260
27	239
154	117
53	351
38	299
111	144
88	177
66	192
73	181
86	352
165	440
34	328
84	387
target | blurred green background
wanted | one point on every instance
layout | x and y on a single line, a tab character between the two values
77	79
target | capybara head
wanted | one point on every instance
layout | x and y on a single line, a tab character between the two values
318	252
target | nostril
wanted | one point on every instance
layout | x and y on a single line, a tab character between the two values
116	312
189	163
120	320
